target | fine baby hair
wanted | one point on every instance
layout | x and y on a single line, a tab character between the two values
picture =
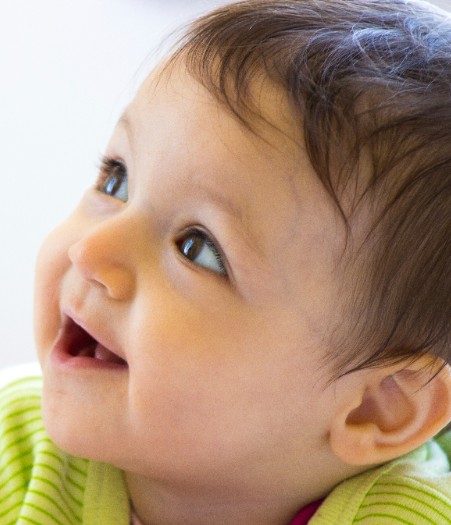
369	84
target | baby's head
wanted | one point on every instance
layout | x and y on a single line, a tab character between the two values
254	296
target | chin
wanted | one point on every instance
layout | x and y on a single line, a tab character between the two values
70	434
63	433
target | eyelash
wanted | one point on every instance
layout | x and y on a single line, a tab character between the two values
204	238
107	167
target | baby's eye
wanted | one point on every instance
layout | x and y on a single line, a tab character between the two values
113	179
196	246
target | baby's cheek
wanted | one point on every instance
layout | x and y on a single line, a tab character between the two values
51	264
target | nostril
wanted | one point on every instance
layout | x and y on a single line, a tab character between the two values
96	263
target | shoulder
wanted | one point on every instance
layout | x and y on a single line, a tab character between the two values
21	426
413	489
20	401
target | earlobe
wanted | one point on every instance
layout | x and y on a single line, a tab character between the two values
395	411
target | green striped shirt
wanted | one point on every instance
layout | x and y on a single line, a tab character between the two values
41	485
413	490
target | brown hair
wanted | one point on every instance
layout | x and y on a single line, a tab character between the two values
370	83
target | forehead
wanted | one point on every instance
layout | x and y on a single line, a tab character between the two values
265	119
173	116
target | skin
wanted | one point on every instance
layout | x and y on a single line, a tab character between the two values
224	409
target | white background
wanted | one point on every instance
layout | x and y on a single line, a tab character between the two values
67	68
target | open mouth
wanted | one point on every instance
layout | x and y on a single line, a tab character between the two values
77	342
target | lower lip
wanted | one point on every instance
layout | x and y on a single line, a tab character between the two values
62	358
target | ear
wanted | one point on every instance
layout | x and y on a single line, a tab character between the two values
393	411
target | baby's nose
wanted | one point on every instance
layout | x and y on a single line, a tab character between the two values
103	257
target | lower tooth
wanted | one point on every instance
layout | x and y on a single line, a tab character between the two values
87	352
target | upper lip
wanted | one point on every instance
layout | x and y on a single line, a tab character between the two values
99	336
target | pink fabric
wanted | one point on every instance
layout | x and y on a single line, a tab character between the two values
302	518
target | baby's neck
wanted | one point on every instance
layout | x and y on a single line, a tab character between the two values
166	506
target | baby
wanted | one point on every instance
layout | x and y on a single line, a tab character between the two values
246	319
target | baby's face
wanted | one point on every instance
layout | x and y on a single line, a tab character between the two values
182	309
